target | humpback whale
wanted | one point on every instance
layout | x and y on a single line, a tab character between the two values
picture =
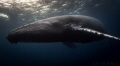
67	29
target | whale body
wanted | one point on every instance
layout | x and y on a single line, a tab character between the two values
66	29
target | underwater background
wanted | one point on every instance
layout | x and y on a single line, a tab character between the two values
16	13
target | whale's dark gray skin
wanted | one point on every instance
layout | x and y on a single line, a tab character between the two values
66	29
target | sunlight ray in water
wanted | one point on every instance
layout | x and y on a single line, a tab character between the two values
4	15
42	8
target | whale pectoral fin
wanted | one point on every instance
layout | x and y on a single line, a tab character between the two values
70	44
95	33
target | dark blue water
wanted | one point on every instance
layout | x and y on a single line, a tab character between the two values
56	54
